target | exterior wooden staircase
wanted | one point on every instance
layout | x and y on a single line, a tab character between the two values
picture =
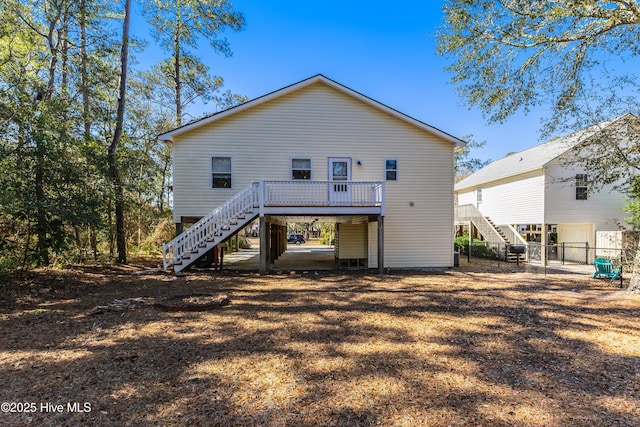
502	236
498	230
215	228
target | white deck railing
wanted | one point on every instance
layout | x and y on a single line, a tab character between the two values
323	193
207	227
235	212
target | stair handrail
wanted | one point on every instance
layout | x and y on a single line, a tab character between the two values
204	229
471	213
512	234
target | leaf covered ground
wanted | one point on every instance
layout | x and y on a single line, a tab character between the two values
478	345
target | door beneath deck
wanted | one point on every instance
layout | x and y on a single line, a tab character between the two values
339	173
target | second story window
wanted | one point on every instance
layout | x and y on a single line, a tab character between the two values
582	186
300	168
221	172
391	169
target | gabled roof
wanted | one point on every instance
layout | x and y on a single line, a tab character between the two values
534	158
302	84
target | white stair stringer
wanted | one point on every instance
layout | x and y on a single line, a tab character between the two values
484	226
498	236
213	229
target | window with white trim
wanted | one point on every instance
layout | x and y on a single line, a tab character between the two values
220	172
391	169
582	186
300	168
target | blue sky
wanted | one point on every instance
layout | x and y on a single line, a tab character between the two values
385	50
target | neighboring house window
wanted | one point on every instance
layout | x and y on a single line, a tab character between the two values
221	172
300	168
391	169
581	186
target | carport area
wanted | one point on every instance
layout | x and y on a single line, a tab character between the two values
296	257
357	242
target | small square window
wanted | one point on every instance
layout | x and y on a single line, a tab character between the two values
221	172
391	169
300	168
582	186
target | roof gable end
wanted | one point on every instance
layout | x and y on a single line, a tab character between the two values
169	136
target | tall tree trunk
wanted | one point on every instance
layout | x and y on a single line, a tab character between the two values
116	179
178	81
114	170
84	92
64	83
93	241
53	41
177	63
41	216
166	159
84	75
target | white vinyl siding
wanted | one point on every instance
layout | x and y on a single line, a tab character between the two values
352	241
328	123
605	208
516	201
372	234
467	198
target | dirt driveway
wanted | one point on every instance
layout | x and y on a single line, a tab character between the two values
466	347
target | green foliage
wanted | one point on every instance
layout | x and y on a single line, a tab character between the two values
59	73
243	243
464	164
633	206
479	248
327	233
517	55
461	243
178	25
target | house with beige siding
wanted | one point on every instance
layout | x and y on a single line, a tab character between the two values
315	150
540	197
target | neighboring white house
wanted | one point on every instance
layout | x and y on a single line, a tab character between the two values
542	196
315	150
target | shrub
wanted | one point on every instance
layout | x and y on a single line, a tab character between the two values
479	248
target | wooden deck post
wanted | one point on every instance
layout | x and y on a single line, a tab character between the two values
264	245
543	245
380	244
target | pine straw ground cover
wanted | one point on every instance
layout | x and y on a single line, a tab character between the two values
500	347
